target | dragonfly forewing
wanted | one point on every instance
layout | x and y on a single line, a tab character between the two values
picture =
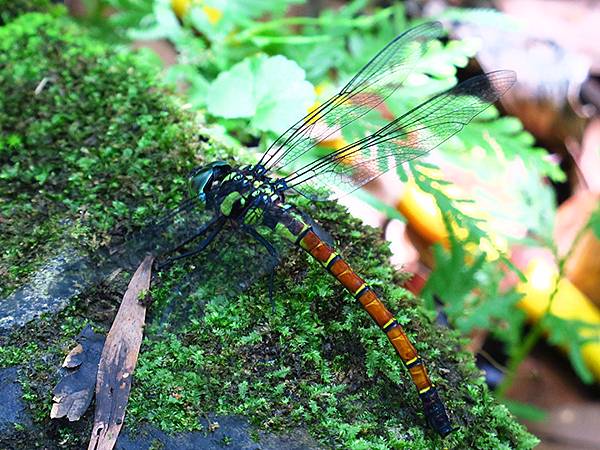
411	135
374	83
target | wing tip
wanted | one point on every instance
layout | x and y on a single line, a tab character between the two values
502	80
425	31
489	86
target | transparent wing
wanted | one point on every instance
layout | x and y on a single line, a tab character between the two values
229	267
410	136
369	88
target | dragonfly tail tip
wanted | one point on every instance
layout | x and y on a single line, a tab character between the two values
436	412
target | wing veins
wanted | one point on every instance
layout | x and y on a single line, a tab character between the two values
478	93
398	55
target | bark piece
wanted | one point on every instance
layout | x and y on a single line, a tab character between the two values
118	361
73	393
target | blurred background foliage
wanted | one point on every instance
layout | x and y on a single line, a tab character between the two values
482	228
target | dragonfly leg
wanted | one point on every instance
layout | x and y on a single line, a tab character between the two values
273	252
183	206
219	222
203	229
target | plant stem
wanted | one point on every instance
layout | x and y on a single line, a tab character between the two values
534	335
515	361
359	22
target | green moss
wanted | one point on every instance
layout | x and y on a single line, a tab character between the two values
103	146
316	360
14	355
85	141
11	9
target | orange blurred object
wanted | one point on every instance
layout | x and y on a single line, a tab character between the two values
583	267
423	214
583	264
425	218
425	221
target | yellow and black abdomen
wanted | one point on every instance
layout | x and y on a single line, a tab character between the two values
309	241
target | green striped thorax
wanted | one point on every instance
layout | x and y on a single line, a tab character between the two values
243	193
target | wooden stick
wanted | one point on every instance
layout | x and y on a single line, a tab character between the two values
118	361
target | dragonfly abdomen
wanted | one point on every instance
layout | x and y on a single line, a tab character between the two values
310	242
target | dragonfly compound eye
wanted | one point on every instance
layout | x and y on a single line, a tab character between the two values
201	181
202	178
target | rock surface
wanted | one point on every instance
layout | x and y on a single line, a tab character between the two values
13	408
49	289
234	433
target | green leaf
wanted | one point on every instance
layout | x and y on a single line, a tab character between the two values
594	222
572	335
470	289
231	95
250	9
161	23
525	411
449	206
233	15
452	280
197	84
318	59
272	91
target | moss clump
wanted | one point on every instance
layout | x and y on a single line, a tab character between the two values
11	9
315	359
103	145
87	139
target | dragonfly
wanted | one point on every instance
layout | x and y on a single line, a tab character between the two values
252	198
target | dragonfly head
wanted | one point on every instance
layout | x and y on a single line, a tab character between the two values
202	178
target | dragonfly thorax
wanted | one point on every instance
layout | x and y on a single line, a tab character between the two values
234	192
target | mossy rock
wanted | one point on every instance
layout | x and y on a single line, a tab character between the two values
11	9
89	138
